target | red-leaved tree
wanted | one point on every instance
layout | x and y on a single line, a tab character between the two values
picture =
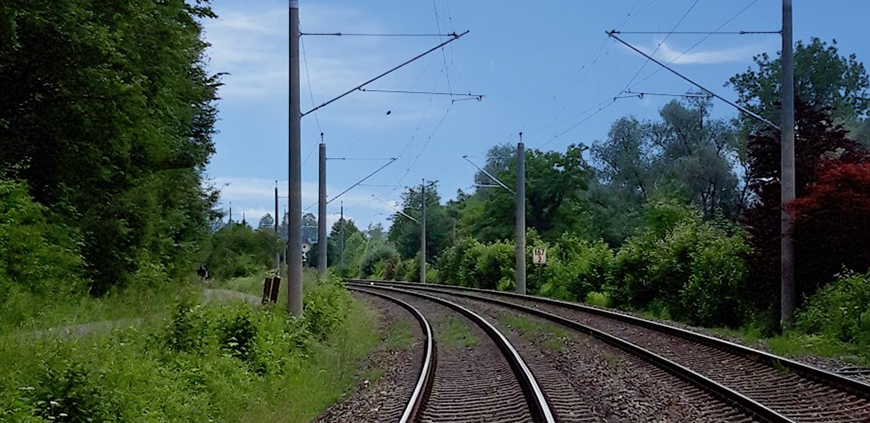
818	144
832	223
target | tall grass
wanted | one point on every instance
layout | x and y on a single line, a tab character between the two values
200	363
45	312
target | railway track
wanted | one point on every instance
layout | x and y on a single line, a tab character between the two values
489	382
775	388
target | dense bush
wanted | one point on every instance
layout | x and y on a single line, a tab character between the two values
683	267
39	257
472	263
238	251
575	267
409	270
495	267
456	264
71	393
326	307
380	261
840	310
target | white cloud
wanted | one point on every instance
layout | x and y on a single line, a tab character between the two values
708	57
251	45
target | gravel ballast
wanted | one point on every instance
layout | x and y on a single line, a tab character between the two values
384	399
588	380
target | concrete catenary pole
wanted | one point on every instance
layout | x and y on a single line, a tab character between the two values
321	216
277	253
294	227
521	217
423	233
341	241
788	177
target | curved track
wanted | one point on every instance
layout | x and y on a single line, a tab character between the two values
790	390
427	367
469	384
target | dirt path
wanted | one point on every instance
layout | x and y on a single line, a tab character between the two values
77	331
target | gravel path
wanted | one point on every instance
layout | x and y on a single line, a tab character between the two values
84	329
588	380
399	358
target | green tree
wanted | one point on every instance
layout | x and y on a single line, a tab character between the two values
342	230
554	202
107	111
623	182
696	155
267	222
824	79
405	233
686	154
375	232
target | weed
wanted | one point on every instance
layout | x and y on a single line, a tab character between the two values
530	329
401	336
455	332
597	299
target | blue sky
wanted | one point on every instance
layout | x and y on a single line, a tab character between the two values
545	68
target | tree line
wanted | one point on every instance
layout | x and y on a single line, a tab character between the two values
107	114
679	214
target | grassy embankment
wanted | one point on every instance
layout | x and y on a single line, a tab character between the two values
224	362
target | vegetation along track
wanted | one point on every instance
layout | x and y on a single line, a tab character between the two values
791	390
470	384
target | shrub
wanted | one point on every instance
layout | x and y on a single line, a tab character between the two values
597	299
379	261
574	268
474	264
713	295
326	307
239	251
432	275
185	332
67	392
840	310
456	263
410	269
236	335
38	257
682	266
495	266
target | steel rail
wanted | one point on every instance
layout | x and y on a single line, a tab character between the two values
427	370
535	398
842	383
743	402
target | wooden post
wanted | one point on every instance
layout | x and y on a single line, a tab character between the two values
267	289
276	284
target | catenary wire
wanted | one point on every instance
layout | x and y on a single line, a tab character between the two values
660	45
359	34
740	12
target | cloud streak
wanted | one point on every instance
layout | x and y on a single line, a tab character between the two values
251	45
669	54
